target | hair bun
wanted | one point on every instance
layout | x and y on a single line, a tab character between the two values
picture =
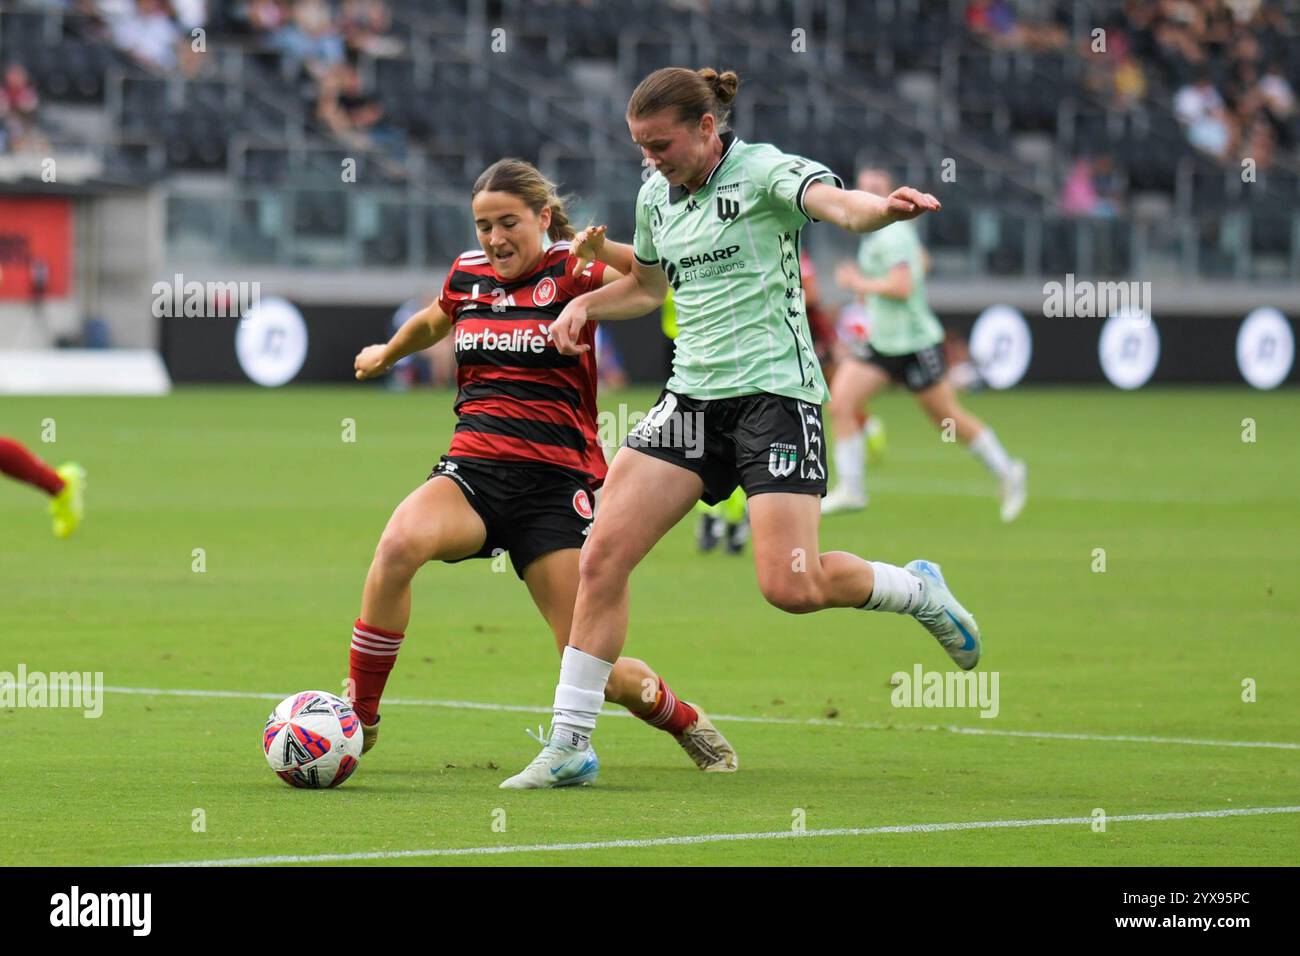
724	85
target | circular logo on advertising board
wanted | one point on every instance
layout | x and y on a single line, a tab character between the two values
1001	345
1265	348
1129	348
271	343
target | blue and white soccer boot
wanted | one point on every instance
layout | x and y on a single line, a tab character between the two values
558	765
951	624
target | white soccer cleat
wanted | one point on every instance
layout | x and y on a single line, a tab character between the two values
707	747
558	765
1014	491
943	616
841	500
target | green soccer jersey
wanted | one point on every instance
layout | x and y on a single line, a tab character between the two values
731	253
898	326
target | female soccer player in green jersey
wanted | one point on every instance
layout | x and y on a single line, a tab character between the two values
720	223
906	346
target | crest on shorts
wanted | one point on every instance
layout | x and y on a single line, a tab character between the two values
582	504
781	459
544	292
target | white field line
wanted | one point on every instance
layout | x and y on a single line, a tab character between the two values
732	718
732	838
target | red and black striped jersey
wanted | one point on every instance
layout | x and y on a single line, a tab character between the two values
518	398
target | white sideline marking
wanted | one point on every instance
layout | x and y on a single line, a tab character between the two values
732	718
732	837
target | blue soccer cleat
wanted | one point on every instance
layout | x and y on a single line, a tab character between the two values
558	765
943	616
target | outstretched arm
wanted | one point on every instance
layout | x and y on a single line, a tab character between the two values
859	211
627	297
417	333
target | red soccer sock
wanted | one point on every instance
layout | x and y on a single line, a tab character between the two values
371	660
17	462
669	713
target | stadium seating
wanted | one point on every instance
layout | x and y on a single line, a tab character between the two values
901	83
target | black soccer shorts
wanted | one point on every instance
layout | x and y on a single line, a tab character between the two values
528	510
917	370
761	442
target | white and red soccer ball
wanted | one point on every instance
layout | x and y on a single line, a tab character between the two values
313	740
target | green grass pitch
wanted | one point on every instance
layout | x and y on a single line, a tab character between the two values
1201	539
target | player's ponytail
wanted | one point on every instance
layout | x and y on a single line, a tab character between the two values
521	178
689	93
560	227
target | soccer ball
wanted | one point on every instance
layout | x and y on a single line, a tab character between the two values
313	740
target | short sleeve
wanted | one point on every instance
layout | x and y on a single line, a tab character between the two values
899	246
446	301
786	178
643	244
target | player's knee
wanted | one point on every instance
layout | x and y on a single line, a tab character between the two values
400	552
793	593
603	562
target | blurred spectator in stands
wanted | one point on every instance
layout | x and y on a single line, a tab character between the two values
354	115
1108	186
1115	73
1176	43
267	16
190	15
18	105
1091	188
996	22
1201	110
1129	83
310	39
1277	100
364	24
18	96
148	36
191	18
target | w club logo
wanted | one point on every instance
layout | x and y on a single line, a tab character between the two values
781	459
728	209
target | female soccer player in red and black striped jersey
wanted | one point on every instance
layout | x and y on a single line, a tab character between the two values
525	458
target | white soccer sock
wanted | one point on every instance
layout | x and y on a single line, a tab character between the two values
986	447
579	696
851	464
896	589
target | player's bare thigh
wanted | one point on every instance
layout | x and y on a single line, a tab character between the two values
643	497
552	581
855	383
433	523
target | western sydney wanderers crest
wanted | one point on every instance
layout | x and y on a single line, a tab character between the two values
544	292
582	504
781	459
